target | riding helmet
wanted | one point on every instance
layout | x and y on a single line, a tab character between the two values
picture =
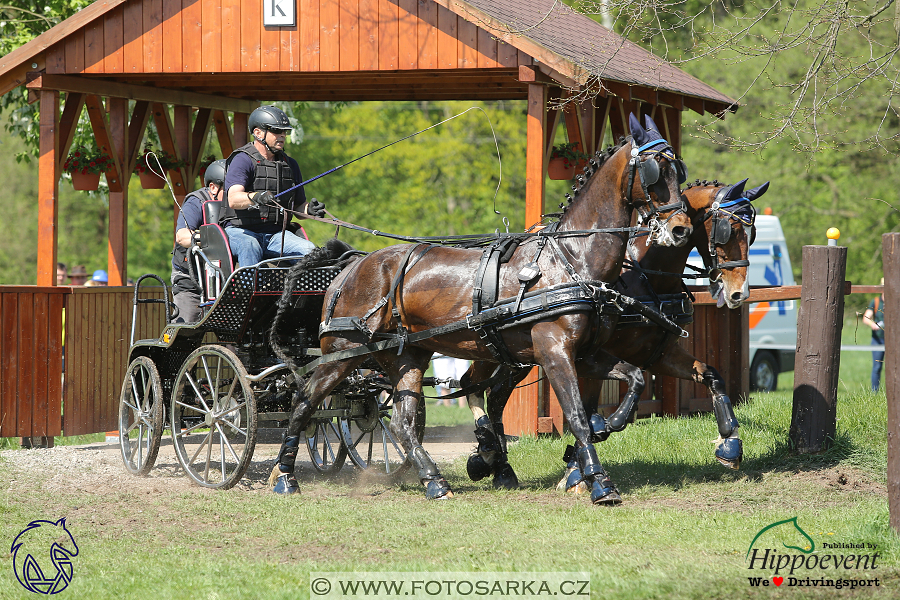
268	116
215	173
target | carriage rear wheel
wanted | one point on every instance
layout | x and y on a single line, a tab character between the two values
140	416
323	437
213	417
371	444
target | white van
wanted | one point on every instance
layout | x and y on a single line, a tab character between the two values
773	325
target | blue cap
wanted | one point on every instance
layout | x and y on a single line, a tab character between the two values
100	275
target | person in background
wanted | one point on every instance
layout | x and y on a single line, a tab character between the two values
874	318
78	275
99	278
61	273
447	367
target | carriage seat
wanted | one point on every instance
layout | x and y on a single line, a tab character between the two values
214	245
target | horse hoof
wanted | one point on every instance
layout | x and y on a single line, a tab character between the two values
505	478
477	467
438	489
605	494
730	452
572	481
283	483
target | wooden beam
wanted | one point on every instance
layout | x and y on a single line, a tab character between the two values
534	157
202	125
184	142
101	87
97	115
48	189
136	127
117	235
241	132
890	256
223	133
167	141
68	125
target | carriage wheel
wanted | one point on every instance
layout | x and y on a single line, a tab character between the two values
213	419
367	435
323	438
140	416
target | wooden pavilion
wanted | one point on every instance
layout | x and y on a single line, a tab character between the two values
198	66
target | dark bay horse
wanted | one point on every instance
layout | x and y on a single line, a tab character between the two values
399	291
723	221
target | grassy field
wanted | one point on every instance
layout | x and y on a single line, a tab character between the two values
683	531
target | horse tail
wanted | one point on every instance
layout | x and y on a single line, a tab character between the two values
333	250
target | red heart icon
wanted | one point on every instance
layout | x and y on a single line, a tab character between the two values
778	580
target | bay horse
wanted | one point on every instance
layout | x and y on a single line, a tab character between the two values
723	228
400	291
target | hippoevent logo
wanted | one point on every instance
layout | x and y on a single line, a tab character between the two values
782	553
42	556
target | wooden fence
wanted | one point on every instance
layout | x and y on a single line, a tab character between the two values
42	395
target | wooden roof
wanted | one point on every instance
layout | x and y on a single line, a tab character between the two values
346	50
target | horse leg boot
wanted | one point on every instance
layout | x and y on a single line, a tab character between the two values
602	489
504	475
436	487
729	448
481	462
282	478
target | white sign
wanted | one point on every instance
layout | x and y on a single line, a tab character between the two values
279	13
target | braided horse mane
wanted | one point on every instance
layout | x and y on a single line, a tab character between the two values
594	163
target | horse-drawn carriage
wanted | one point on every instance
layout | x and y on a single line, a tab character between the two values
552	302
214	383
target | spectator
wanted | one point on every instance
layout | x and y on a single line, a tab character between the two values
874	318
61	273
100	278
78	275
447	367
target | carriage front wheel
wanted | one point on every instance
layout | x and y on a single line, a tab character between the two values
140	416
213	417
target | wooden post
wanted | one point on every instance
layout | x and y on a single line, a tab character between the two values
117	242
818	356
890	252
535	168
48	188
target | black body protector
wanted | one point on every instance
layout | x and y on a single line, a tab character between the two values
271	175
180	252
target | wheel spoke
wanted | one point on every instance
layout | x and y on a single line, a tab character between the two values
199	394
227	443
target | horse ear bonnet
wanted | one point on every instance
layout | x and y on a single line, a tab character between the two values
653	132
638	133
756	192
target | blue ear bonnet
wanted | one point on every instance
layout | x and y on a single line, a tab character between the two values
650	140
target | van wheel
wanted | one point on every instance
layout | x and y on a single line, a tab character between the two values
764	372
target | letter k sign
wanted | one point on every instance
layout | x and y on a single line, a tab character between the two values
279	13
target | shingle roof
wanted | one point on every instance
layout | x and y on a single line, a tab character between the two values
590	47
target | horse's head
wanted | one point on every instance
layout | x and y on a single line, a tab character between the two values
724	229
652	182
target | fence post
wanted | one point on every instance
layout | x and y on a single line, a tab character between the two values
818	357
890	254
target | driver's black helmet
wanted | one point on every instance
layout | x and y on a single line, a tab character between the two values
266	117
215	173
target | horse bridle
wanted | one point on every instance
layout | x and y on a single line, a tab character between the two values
648	172
721	231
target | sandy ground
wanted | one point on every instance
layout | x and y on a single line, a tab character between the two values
90	466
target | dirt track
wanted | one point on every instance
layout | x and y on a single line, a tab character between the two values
92	467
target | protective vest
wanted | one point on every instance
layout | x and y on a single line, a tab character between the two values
179	254
271	175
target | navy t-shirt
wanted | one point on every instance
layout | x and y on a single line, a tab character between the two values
190	216
242	171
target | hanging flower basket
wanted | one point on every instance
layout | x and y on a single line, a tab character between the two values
152	160
85	182
151	181
85	166
560	168
565	159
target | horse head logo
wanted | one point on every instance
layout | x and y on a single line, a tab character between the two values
42	556
789	534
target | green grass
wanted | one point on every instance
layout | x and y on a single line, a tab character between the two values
682	532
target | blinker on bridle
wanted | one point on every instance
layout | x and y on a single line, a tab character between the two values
742	211
648	172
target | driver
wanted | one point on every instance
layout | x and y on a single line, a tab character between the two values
252	217
185	291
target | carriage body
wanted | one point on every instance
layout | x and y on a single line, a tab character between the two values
214	383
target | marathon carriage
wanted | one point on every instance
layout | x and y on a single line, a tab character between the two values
214	383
